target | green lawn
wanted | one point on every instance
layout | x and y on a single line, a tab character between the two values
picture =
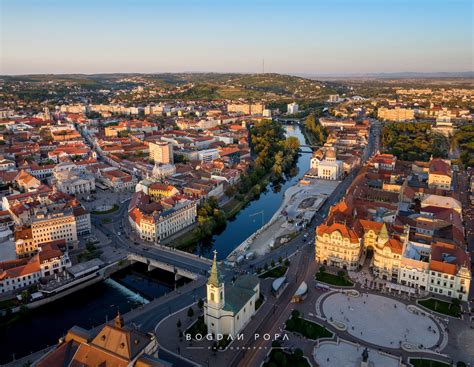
199	327
111	210
333	279
443	307
276	272
427	363
307	328
282	358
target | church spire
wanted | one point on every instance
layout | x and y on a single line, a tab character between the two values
383	234
118	321
214	278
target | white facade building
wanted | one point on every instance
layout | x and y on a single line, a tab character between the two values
293	108
229	306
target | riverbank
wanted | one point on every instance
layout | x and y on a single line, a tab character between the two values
253	188
301	202
87	307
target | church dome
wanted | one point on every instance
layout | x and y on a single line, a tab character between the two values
330	154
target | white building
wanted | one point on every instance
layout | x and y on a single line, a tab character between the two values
327	168
157	220
163	170
71	180
208	155
7	164
293	108
229	305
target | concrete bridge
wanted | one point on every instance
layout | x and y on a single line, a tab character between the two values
288	120
155	263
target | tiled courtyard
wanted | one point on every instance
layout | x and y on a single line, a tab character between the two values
329	354
381	321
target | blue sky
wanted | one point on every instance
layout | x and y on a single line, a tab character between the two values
293	36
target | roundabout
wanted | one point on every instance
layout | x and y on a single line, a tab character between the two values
381	321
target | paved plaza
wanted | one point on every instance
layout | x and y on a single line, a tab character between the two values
330	354
381	321
301	202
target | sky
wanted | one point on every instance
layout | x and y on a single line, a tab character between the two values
292	36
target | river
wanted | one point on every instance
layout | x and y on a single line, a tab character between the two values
87	308
257	212
134	286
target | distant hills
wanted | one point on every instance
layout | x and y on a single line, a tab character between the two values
394	75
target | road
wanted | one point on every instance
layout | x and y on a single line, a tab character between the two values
147	317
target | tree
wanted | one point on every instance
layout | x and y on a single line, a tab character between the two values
322	269
292	143
200	303
273	263
178	324
25	296
190	312
230	191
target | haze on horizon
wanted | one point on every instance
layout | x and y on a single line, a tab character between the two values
294	37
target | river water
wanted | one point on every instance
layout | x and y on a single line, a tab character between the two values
86	308
257	212
134	286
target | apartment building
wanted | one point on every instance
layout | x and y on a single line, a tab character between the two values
161	152
246	108
396	114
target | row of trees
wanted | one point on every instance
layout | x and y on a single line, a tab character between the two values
274	153
464	140
317	133
210	217
411	141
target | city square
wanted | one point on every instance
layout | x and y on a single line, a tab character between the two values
381	321
343	353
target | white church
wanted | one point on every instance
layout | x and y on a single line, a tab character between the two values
229	305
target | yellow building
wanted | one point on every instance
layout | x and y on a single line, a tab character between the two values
24	244
338	245
439	175
395	114
158	190
348	247
52	227
246	108
112	131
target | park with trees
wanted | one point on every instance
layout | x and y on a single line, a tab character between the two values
413	141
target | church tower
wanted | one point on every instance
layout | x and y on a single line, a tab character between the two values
215	299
